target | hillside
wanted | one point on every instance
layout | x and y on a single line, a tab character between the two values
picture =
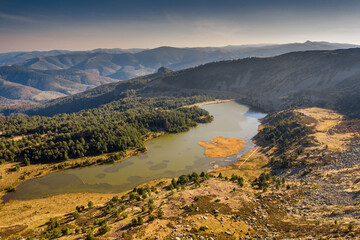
123	65
15	57
8	58
20	83
310	78
315	195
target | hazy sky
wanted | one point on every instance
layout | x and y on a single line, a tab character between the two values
80	24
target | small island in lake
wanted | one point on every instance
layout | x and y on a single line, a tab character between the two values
222	147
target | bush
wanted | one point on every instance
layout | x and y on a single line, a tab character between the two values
80	208
90	235
133	221
56	232
115	199
160	213
151	208
65	231
11	189
76	214
104	229
90	204
241	181
140	220
203	228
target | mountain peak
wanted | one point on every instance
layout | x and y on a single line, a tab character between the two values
163	70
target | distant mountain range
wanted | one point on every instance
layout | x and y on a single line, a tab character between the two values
41	76
17	57
309	78
123	66
20	83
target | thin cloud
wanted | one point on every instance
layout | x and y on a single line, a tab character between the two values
17	18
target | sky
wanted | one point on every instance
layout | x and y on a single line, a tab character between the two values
27	25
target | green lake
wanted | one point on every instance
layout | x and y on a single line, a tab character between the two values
168	156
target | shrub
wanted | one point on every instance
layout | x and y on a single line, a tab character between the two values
134	221
160	213
90	235
241	181
76	214
151	208
104	229
140	220
203	228
65	231
115	199
11	189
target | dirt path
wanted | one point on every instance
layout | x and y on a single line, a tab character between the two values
247	158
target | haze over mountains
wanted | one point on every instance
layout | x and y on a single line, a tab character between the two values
310	78
55	74
123	66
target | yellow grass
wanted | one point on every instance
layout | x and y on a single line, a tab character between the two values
252	168
327	119
222	147
36	212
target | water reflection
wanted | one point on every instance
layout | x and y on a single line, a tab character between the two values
168	156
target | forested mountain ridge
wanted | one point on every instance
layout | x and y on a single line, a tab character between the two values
110	65
311	78
8	58
126	65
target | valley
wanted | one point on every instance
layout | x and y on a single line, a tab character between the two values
312	184
28	78
166	156
107	158
179	120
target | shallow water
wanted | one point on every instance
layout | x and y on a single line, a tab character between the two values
168	156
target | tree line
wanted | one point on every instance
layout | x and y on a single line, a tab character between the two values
113	127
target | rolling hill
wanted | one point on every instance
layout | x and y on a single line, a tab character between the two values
127	65
9	58
15	57
20	83
310	78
